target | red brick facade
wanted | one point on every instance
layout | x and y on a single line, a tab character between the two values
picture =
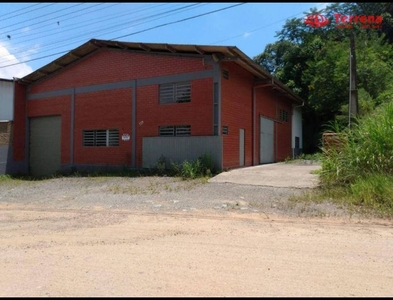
198	113
268	104
237	113
112	108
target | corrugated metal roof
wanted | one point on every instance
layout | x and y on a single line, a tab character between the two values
221	52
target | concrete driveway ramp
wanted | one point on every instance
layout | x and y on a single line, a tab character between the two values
286	175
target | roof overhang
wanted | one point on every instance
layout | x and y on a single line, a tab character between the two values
219	53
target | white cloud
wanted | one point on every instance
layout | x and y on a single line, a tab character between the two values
16	70
246	34
26	29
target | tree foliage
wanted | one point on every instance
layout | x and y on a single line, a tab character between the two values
314	62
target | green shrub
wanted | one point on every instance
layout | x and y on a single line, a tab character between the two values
201	167
161	164
366	148
176	168
191	169
362	159
207	164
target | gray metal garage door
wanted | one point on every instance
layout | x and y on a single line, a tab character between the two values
45	142
266	149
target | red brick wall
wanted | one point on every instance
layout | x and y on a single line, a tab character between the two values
55	106
198	113
112	109
284	131
237	101
236	113
103	110
112	66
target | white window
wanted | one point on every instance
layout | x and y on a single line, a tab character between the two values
175	92
101	138
179	130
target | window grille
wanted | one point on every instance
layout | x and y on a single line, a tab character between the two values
283	115
166	131
225	74
179	130
101	138
175	92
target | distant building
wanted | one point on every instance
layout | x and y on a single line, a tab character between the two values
6	125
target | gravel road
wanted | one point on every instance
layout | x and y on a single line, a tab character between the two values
162	194
162	236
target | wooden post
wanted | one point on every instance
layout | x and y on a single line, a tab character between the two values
353	92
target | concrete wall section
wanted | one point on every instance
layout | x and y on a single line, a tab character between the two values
6	100
297	130
179	149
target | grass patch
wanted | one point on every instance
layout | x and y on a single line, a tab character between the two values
316	172
8	179
5	178
374	190
315	157
345	198
155	187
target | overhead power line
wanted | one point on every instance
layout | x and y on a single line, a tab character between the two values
75	24
9	17
64	40
174	22
148	29
39	17
259	28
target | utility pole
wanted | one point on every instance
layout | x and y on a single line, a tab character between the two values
353	92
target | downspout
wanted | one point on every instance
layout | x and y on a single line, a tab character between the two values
253	125
275	134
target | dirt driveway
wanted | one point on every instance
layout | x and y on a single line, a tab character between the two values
165	237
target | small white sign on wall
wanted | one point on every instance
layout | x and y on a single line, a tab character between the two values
125	137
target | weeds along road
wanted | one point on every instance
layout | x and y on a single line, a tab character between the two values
67	244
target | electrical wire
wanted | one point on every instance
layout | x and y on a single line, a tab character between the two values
39	17
9	17
158	26
66	40
80	22
259	28
45	21
151	28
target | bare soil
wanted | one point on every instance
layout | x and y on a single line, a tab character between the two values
102	237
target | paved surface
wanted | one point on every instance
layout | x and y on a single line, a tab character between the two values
288	175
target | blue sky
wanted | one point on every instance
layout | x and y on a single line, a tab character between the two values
34	34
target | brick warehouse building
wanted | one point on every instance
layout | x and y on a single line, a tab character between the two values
122	104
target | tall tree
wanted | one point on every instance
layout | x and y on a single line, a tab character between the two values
314	62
